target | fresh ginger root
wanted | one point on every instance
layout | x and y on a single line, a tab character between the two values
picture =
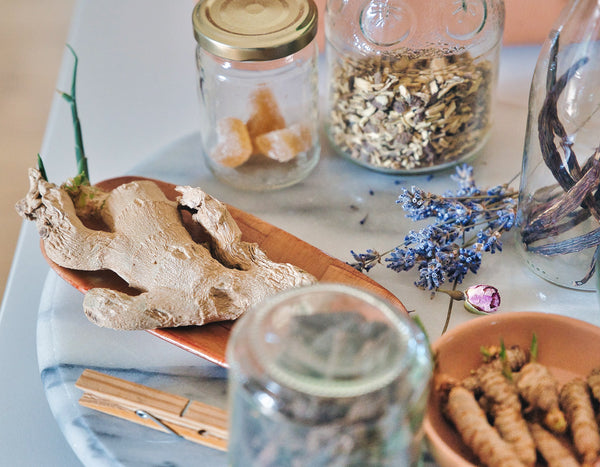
514	359
471	422
515	398
505	407
576	403
554	452
181	282
593	381
539	389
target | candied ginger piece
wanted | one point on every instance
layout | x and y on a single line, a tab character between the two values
283	145
234	146
265	115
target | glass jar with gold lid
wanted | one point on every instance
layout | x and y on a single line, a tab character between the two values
258	90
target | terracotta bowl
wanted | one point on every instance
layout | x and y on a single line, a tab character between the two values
569	347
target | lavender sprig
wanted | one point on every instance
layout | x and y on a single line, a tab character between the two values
465	224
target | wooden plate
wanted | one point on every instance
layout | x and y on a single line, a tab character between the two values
210	341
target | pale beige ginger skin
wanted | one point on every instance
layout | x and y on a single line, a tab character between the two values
182	282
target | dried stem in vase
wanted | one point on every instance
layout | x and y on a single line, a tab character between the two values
557	213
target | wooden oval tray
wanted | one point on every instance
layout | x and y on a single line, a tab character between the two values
210	341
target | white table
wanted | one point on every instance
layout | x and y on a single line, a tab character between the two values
136	95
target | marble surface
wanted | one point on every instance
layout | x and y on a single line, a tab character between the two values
137	100
317	210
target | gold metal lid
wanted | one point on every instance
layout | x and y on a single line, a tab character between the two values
254	29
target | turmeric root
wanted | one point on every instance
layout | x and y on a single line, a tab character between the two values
539	389
181	282
555	453
576	403
593	381
515	358
505	408
471	423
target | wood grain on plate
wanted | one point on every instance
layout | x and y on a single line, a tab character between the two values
210	341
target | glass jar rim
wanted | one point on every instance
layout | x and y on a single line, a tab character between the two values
404	343
249	30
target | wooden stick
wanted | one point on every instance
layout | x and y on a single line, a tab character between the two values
192	420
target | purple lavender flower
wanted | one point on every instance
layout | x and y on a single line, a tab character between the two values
365	261
465	180
464	224
466	260
401	259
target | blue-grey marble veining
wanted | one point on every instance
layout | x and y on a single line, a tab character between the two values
339	207
68	343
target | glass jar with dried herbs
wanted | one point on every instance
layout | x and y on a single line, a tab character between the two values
326	375
411	81
559	200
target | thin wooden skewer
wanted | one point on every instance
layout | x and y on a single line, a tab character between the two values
192	420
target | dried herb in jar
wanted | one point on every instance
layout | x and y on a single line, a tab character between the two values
411	111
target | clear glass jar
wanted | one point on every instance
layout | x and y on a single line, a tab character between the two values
258	90
559	213
411	81
326	375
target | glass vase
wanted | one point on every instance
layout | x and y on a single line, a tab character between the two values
559	202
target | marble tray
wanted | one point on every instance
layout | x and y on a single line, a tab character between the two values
339	207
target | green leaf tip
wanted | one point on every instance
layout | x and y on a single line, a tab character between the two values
533	349
41	167
81	159
485	352
506	370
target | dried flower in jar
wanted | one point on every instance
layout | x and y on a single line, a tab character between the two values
410	112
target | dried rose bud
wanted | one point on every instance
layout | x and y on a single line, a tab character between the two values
482	299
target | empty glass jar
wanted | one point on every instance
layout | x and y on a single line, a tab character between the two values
257	82
326	375
411	81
